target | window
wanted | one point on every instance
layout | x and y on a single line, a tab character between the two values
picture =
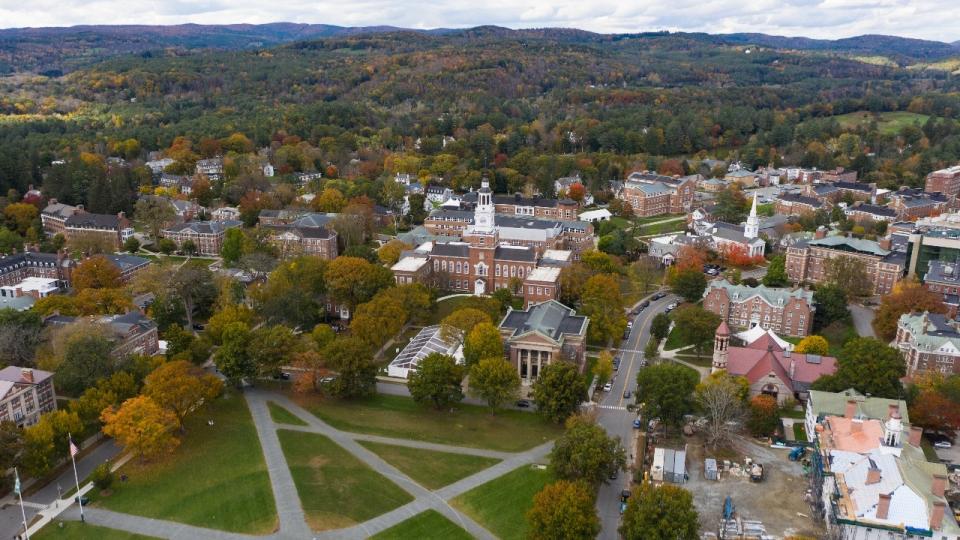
458	267
539	290
513	271
444	265
530	289
498	270
546	291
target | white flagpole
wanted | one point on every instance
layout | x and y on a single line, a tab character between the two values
75	477
22	511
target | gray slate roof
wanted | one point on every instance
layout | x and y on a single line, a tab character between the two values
551	319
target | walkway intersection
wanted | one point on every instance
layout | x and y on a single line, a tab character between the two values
292	519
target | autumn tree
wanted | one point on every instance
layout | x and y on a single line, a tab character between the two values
142	426
660	326
96	272
458	325
664	512
577	192
154	214
666	391
559	390
272	347
764	417
721	398
907	296
696	326
563	509
233	359
389	253
352	361
495	381
603	369
353	281
294	294
195	287
776	275
437	380
868	365
849	274
603	303
813	345
483	341
20	216
936	412
108	392
689	283
229	314
181	387
584	452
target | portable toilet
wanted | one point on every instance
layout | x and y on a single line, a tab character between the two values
710	469
680	467
656	470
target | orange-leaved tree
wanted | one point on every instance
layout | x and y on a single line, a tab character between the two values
907	296
181	388
142	426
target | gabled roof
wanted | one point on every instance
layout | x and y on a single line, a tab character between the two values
835	403
801	199
850	244
203	227
98	221
875	210
774	296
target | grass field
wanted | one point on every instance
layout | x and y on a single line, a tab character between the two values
448	306
74	530
283	416
662	228
430	469
837	334
216	478
887	122
429	525
799	432
501	504
469	425
336	489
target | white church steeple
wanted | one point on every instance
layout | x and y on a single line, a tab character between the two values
752	228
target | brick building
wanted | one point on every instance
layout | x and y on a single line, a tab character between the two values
945	181
129	265
518	205
74	223
790	204
479	264
295	241
787	312
20	266
912	203
834	192
929	343
943	278
542	334
807	260
540	234
207	236
870	212
651	194
25	395
54	217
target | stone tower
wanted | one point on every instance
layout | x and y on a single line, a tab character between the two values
721	344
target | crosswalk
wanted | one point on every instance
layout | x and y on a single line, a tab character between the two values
612	407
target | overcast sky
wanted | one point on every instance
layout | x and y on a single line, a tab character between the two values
928	19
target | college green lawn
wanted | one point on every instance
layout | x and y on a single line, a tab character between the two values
430	469
216	478
428	525
336	489
283	416
468	425
74	530
501	504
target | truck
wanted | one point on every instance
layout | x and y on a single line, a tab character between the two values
756	472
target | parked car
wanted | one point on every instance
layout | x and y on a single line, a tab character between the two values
608	387
645	304
943	443
659	295
627	394
523	403
630	324
637	423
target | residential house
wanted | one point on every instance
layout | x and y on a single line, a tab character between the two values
541	334
25	395
211	168
563	185
225	213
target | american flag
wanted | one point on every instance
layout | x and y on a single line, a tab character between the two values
73	448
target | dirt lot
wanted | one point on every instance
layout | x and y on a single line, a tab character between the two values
777	501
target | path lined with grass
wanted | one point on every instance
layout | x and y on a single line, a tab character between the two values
501	504
322	478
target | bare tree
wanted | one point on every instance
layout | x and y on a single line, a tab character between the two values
721	397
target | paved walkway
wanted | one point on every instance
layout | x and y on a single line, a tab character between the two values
292	519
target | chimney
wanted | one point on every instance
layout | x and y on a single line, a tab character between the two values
936	515
821	232
873	474
885	243
52	200
916	433
121	215
883	506
851	410
19	292
856	426
27	374
939	485
80	209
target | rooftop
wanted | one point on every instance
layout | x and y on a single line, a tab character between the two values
548	274
426	342
771	295
550	319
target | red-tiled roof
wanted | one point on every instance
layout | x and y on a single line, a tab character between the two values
754	364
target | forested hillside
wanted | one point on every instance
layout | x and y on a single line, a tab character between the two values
527	105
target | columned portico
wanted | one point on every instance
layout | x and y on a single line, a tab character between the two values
530	362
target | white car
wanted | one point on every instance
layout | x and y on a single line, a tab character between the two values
608	387
942	444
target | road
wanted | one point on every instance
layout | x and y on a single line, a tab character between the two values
11	522
614	417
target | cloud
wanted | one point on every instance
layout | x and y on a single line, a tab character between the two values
811	18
